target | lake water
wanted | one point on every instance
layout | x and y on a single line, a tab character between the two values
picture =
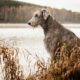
30	39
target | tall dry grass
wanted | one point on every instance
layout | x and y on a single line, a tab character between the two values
11	65
9	62
65	65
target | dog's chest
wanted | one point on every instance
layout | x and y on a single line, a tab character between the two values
48	42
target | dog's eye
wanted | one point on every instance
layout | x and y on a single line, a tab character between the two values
36	15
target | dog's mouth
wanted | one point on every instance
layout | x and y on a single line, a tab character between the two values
33	25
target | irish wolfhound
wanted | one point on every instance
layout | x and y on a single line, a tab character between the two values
54	32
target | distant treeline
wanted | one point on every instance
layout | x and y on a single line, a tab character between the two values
20	12
65	16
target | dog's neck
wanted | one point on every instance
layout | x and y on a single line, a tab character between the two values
50	24
47	24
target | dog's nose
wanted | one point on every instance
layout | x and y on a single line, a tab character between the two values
29	23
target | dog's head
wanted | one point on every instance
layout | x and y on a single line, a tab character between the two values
38	18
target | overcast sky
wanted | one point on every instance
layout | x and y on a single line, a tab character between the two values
73	5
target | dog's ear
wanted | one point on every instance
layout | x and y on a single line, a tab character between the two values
45	14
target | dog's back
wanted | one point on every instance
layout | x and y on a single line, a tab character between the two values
58	35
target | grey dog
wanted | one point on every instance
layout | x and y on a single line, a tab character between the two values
54	31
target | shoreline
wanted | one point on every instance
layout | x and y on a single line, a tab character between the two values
25	25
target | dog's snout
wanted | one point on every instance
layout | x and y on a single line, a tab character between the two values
29	23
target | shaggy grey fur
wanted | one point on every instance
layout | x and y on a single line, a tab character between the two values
54	32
